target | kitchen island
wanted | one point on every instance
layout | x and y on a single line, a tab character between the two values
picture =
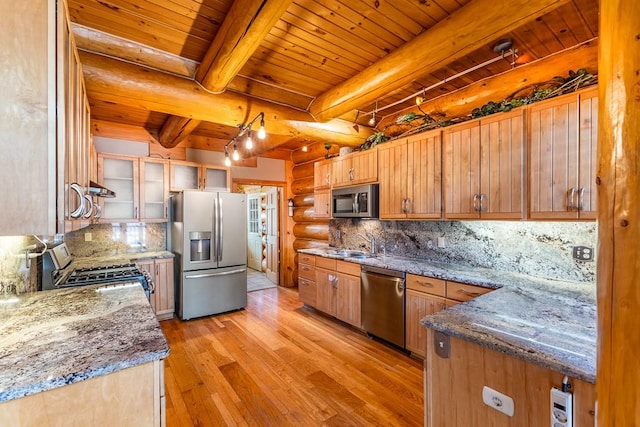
78	355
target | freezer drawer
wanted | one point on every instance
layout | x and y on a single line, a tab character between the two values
207	292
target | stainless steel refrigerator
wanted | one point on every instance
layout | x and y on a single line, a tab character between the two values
209	238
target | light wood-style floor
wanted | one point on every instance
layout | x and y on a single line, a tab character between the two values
278	363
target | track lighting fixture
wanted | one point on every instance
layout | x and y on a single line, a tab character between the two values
242	129
421	98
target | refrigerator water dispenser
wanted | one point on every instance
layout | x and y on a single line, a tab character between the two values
200	245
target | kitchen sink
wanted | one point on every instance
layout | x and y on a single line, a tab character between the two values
345	253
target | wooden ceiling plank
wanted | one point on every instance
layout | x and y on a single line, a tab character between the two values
461	102
280	95
289	79
111	80
293	40
244	28
96	41
147	33
475	25
389	16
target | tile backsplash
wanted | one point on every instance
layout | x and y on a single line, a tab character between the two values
541	249
116	239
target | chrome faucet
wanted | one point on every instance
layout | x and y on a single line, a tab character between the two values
372	241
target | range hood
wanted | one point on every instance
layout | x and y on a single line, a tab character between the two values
96	189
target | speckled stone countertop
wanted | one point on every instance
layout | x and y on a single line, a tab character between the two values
120	258
54	338
546	322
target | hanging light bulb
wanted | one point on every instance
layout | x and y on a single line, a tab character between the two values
261	131
236	155
421	98
304	148
372	120
227	160
249	142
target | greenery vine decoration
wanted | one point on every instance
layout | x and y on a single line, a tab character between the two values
533	93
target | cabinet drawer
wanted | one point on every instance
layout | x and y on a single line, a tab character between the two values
307	259
328	263
426	284
348	268
463	292
307	271
307	291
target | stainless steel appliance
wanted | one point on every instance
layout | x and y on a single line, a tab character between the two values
383	297
209	238
360	201
59	270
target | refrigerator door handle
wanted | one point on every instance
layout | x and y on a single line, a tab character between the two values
215	229
224	273
220	228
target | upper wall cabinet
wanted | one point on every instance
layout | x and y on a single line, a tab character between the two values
563	136
483	165
355	168
195	176
37	114
409	171
322	174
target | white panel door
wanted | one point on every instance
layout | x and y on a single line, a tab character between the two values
254	235
273	249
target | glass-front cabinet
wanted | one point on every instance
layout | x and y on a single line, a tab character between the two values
194	176
154	189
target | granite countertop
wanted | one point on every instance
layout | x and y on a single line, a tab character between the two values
547	322
54	338
120	258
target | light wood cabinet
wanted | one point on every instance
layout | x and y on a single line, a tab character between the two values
161	272
307	289
322	174
454	388
195	176
483	166
563	136
348	301
326	288
409	172
322	203
355	168
130	397
461	292
141	185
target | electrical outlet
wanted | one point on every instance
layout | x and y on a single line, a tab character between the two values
88	237
498	401
441	242
582	253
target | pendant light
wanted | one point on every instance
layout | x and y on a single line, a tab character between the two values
249	142
236	155
261	131
372	120
227	160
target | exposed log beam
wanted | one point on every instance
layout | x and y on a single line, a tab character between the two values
128	84
244	28
463	101
471	27
246	25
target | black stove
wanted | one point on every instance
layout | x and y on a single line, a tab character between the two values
59	271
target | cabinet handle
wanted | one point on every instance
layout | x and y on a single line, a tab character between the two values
328	179
475	202
407	208
581	199
403	208
327	208
468	293
351	174
570	196
482	196
305	268
166	211
135	212
427	284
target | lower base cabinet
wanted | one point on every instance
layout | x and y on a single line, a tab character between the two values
454	389
161	272
131	397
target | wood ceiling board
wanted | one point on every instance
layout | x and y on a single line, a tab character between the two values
388	16
427	12
115	112
149	32
252	87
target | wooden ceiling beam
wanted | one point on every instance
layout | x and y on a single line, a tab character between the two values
473	26
496	88
111	80
246	25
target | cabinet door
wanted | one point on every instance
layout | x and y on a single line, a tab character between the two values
392	171
307	291
553	152
154	189
148	266
119	174
326	291
164	295
424	176
502	166
462	171
322	174
216	178
184	176
340	168
322	203
418	305
364	167
348	299
587	193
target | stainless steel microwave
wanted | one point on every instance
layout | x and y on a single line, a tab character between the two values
360	201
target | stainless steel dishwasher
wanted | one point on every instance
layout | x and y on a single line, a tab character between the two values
382	296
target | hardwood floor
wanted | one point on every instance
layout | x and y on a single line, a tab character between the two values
277	363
